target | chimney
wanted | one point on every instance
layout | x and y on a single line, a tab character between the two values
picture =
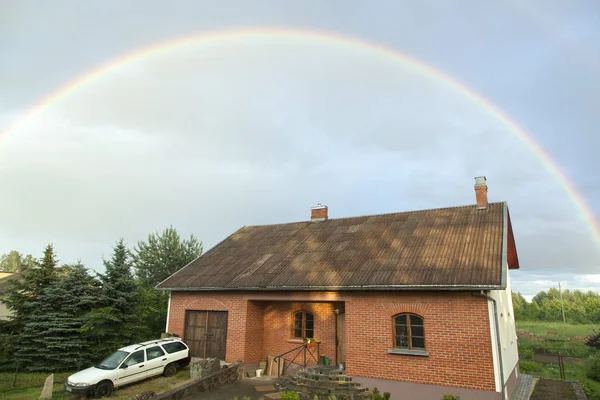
481	192
318	213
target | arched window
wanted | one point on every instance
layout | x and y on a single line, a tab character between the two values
304	325
409	332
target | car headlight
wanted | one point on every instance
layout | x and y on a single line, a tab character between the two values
78	384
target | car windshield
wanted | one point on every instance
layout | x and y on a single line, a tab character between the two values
113	361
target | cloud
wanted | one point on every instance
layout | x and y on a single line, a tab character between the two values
211	139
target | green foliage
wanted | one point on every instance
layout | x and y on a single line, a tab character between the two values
50	339
162	255
16	262
450	397
593	371
115	321
290	396
580	307
591	389
27	380
529	367
594	341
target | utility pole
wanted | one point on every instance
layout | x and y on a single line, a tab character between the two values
562	305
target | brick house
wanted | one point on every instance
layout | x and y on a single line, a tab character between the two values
415	303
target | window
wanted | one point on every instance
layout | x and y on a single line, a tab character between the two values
174	347
135	358
154	352
409	332
304	325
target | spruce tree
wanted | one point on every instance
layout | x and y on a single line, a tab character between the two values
23	300
114	322
52	332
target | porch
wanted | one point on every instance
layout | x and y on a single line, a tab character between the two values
267	327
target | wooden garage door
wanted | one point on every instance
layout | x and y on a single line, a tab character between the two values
206	333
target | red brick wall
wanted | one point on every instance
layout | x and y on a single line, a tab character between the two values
457	333
457	338
278	323
254	332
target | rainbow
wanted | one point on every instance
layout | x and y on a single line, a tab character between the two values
221	37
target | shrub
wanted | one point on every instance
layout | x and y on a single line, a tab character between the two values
594	341
290	396
450	397
529	367
526	354
594	369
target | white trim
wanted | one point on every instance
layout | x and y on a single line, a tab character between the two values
494	342
168	313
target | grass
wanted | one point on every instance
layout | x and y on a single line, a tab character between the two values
556	330
36	382
28	380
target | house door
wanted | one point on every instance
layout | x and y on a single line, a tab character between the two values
206	333
341	338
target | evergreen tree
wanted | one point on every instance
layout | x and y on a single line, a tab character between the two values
23	292
115	322
51	334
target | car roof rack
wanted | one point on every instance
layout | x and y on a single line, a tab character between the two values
157	341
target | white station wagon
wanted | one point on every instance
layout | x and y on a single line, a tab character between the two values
130	364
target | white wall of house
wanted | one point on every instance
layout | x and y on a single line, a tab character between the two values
508	332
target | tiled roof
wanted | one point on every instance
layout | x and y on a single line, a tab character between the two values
449	248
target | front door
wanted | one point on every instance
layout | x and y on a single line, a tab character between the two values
341	338
206	333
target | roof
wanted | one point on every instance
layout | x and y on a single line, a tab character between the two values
447	248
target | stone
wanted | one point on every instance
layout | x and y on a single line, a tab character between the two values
47	390
203	367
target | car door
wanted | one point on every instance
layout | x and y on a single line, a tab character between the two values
133	368
156	360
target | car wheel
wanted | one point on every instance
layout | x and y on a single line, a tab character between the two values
103	389
170	370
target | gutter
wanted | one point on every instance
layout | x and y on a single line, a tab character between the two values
335	288
498	344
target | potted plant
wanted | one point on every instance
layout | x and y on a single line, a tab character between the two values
310	342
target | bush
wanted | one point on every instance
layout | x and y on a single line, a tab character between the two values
529	367
594	369
290	396
590	391
594	341
526	354
450	397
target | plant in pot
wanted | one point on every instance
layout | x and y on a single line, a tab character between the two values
310	342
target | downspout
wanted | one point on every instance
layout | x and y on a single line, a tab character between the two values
498	344
168	313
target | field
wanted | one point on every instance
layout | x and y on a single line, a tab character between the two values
563	338
29	386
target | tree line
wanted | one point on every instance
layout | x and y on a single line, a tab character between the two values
67	317
579	307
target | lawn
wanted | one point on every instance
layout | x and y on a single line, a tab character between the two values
556	330
31	386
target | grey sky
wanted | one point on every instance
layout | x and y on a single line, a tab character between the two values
254	131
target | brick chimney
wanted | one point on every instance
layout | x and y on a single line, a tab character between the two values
318	213
481	192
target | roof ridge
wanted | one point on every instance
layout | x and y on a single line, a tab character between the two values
371	215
